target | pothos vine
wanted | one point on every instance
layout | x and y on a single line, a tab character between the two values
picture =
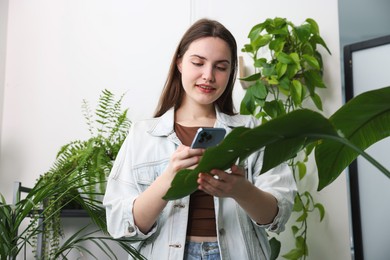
287	81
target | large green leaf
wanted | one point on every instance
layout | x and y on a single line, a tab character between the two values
294	131
283	137
364	120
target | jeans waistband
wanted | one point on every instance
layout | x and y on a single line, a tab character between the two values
205	250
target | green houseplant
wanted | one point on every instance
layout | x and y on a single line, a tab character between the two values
15	236
285	81
92	158
292	73
77	178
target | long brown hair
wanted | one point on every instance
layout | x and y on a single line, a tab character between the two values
173	92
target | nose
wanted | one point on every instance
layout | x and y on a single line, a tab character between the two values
208	74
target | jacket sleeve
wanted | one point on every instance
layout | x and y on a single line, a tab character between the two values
121	192
279	182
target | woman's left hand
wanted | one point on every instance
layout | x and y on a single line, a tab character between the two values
222	184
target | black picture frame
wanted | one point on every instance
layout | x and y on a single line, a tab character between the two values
353	169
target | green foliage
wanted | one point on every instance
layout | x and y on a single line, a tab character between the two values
15	236
77	239
95	156
275	248
290	75
92	159
370	124
304	205
288	71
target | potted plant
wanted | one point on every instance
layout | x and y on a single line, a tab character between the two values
291	75
285	81
15	236
77	179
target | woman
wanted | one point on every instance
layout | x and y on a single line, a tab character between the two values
228	215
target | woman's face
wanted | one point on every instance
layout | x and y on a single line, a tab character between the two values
205	69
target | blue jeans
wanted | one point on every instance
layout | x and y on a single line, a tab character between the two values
201	251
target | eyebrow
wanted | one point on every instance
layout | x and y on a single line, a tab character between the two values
204	58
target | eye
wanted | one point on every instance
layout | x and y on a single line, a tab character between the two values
198	64
221	68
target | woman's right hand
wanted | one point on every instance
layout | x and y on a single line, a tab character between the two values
183	158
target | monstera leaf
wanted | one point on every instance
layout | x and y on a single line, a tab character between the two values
363	121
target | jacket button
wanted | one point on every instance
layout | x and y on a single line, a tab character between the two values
222	231
130	229
274	227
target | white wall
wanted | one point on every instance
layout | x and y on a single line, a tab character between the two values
60	52
3	40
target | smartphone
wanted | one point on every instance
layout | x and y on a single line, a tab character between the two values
207	137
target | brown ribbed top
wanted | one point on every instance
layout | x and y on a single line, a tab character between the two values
201	217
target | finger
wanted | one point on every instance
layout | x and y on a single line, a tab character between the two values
212	183
184	157
220	175
187	152
184	152
201	150
208	184
180	147
238	170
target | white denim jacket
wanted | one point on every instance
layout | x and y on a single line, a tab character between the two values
144	156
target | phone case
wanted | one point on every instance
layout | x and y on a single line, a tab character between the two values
208	137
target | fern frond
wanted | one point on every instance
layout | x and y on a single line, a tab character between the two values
88	116
104	110
120	128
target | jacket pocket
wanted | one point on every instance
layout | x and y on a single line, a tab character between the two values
147	174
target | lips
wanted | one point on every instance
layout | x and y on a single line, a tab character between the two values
205	88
